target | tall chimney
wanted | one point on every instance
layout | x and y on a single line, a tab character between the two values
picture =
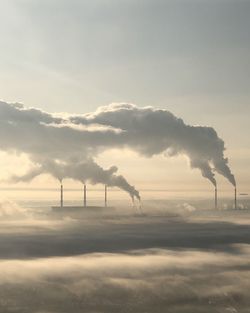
105	196
85	196
235	198
216	198
61	195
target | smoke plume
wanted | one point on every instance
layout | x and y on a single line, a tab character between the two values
153	131
87	171
148	130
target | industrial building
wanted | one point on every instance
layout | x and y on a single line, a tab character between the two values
85	208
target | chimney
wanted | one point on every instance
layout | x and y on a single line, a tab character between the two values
61	195
85	196
216	198
105	197
235	198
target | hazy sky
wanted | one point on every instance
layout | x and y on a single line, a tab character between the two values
188	56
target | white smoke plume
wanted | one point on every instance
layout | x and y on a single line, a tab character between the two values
148	130
87	171
152	131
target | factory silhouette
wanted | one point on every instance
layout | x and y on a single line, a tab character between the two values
85	207
67	146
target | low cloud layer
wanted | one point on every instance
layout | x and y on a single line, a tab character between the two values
142	281
73	140
197	264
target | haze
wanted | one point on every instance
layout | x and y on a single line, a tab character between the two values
124	156
190	57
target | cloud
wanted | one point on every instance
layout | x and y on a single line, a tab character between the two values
124	264
10	209
149	280
119	233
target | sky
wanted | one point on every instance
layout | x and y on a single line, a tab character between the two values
190	57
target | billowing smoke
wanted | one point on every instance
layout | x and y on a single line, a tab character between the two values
152	131
87	171
148	131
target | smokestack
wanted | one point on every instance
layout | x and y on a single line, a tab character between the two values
235	198
216	199
61	195
105	196
85	196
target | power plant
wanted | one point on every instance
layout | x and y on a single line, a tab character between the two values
77	210
97	209
235	205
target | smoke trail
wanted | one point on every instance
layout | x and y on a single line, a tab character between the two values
223	169
87	171
205	169
92	172
148	130
153	131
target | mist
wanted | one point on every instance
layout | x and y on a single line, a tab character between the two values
185	262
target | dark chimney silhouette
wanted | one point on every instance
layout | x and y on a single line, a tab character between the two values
61	195
105	196
85	196
216	199
235	198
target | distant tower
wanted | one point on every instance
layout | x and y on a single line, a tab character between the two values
105	196
61	195
85	196
235	198
216	198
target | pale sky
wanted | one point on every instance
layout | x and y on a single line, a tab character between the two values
191	57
